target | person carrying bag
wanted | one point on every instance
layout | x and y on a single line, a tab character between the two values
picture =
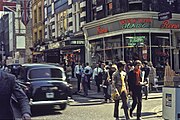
120	90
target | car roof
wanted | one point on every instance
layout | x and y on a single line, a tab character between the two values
14	64
35	65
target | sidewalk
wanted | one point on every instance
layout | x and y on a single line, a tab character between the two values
148	112
95	95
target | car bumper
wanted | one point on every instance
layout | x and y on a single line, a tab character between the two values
54	102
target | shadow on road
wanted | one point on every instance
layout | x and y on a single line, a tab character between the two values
144	115
44	111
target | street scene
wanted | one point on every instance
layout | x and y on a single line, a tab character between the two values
90	59
93	108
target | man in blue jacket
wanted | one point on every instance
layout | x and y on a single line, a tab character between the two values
8	88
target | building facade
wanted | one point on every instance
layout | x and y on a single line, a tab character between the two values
37	28
64	38
130	30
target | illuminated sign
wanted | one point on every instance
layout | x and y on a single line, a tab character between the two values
135	23
101	30
132	41
53	45
132	23
167	25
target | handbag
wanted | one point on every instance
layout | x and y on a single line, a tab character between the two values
115	95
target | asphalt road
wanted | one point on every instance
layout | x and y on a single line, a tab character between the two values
83	108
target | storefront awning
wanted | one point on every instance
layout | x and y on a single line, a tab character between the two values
71	47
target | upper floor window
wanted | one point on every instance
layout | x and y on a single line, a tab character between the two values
62	22
40	34
40	13
76	16
35	16
109	8
49	2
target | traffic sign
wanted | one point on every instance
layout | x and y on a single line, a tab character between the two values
164	16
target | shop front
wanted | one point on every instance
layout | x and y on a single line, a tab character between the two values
73	50
134	35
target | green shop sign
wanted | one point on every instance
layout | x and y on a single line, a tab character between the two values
132	41
135	23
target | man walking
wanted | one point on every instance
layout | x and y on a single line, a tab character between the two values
97	76
135	87
146	69
8	88
78	71
88	71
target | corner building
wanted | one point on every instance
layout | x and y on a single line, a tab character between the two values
130	30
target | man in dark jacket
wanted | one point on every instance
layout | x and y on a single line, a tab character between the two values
8	88
135	87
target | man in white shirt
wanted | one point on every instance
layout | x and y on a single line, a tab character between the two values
78	72
97	76
88	71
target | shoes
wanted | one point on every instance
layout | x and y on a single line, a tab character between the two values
111	101
105	101
117	118
146	98
139	118
130	113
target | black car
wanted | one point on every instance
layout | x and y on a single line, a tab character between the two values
44	84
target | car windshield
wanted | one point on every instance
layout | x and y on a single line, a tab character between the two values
45	73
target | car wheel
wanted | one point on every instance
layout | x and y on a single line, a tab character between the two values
63	106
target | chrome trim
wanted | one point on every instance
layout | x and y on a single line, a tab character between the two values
54	102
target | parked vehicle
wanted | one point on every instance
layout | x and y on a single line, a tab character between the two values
44	84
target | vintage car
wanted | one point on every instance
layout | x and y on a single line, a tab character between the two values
44	84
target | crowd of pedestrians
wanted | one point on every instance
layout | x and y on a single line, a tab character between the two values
118	81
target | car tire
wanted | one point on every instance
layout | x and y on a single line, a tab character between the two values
63	106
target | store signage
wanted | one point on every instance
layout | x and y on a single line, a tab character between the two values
167	25
101	30
53	45
99	8
164	16
42	48
135	23
132	41
77	42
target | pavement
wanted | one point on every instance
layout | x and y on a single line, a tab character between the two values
93	94
99	95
